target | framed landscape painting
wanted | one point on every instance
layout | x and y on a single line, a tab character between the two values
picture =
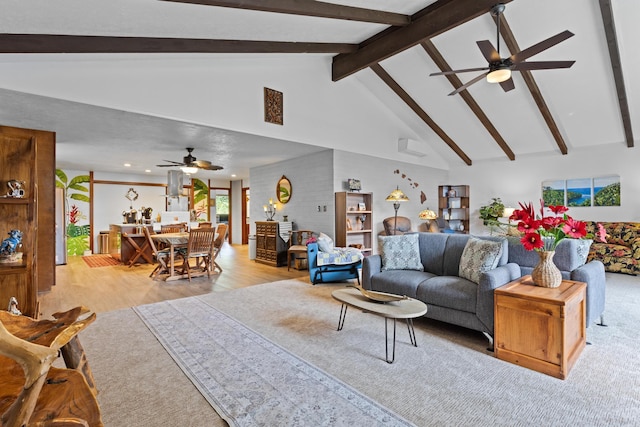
579	192
553	192
606	191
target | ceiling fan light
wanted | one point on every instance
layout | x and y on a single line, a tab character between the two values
499	75
190	170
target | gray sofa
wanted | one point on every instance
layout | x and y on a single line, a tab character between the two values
570	258
449	298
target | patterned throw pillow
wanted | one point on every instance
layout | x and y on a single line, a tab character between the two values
400	252
325	243
478	257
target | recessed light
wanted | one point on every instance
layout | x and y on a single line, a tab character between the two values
127	165
233	175
147	170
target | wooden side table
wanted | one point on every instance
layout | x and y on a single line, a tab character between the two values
543	329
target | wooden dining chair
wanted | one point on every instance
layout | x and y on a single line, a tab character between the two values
297	246
173	228
200	247
221	232
140	251
160	256
205	224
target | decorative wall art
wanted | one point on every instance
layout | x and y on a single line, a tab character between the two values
412	184
354	184
273	111
600	191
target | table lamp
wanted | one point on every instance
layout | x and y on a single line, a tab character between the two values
428	215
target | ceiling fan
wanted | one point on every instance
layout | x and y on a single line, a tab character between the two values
499	69
190	164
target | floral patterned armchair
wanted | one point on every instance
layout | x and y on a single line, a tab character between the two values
621	252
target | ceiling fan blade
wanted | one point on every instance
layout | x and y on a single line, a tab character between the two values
542	65
488	51
539	47
469	83
465	70
211	167
170	166
176	163
507	85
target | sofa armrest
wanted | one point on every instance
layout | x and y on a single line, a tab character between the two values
371	265
592	273
489	282
635	248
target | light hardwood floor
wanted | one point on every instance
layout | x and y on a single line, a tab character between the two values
110	288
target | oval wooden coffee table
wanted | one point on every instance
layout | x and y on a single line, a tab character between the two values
406	308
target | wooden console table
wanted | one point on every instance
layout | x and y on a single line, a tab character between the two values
540	328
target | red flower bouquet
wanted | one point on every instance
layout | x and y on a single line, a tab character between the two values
543	233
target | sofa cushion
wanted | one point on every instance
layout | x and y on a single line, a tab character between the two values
432	251
399	282
400	252
325	243
478	257
450	292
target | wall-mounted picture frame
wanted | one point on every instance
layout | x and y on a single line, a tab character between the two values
273	109
582	192
553	193
284	190
579	192
606	191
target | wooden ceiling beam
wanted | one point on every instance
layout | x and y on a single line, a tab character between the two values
616	65
55	43
309	8
512	44
382	73
435	19
439	60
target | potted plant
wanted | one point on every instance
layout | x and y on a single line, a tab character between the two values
491	212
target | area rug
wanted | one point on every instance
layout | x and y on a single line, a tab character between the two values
94	261
250	380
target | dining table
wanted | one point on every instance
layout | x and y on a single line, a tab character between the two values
174	241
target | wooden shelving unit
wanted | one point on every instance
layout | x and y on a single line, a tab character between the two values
28	156
453	206
350	229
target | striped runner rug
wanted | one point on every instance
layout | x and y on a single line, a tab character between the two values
251	381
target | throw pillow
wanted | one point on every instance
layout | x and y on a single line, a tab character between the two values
478	257
325	243
400	252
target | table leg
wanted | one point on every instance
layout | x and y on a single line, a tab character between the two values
171	260
386	341
343	315
412	332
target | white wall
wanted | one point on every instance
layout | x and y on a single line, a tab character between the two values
311	180
521	181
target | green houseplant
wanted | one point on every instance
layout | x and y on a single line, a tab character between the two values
491	212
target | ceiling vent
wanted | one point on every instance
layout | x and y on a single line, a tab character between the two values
412	147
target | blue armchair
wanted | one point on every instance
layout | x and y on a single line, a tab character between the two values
332	272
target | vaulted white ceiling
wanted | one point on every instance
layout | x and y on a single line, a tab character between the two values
582	100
